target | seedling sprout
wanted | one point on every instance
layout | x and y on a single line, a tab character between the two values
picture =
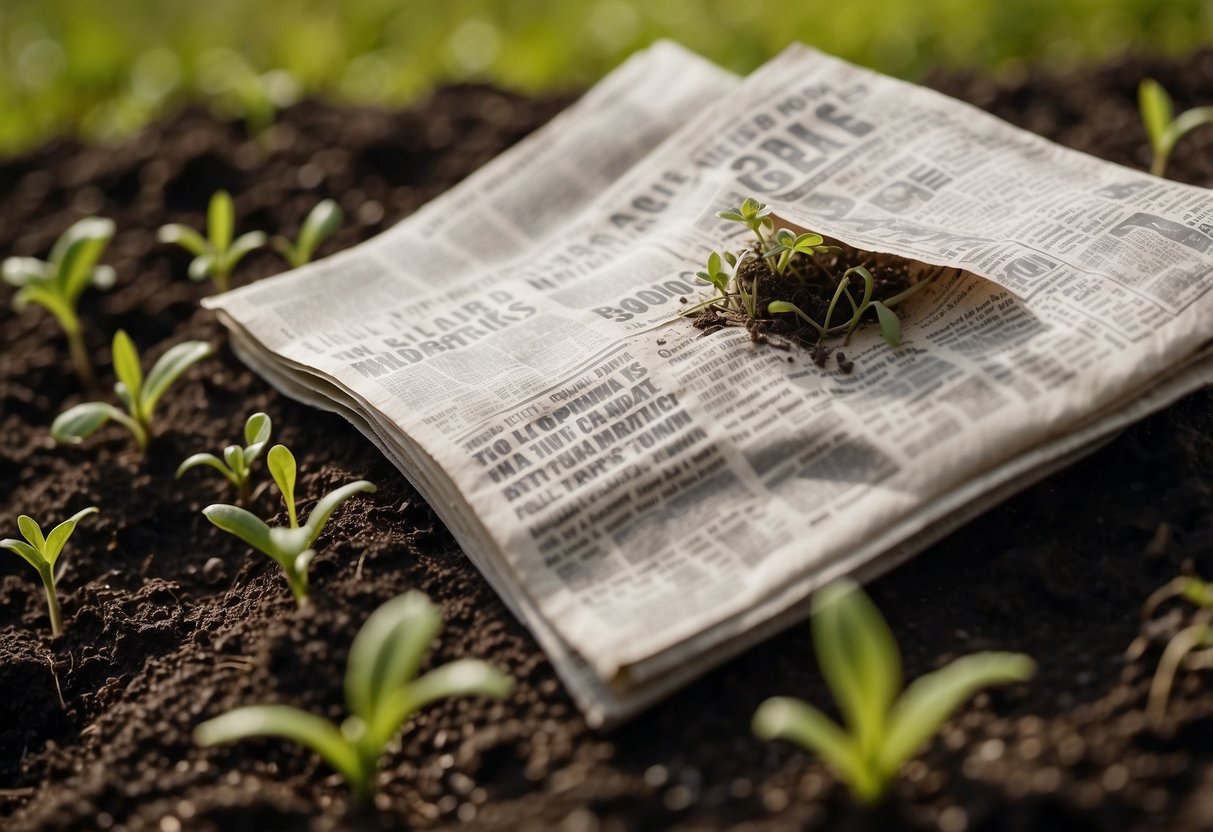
1163	127
57	283
1191	647
237	462
382	691
862	666
322	221
291	546
138	394
42	552
216	255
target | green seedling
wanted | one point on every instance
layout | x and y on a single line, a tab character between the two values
216	255
138	394
56	284
290	547
322	221
1163	128
1191	647
862	666
41	552
382	691
890	324
237	461
788	243
754	215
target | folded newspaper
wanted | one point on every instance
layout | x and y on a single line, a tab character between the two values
649	499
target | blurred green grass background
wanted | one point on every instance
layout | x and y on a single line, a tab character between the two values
104	68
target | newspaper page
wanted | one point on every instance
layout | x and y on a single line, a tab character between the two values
650	500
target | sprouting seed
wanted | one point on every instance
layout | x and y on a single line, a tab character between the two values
382	690
322	221
861	663
56	284
290	546
1192	646
138	394
216	255
1163	128
753	214
42	552
237	462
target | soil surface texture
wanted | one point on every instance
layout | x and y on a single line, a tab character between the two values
168	621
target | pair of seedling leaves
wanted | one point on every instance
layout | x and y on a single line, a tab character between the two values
382	690
42	552
861	663
290	546
778	251
1163	128
217	254
1191	646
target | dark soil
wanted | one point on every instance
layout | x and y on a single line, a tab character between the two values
95	725
811	284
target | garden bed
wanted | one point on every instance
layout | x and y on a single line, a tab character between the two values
95	725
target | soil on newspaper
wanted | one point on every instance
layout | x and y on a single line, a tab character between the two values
811	284
170	621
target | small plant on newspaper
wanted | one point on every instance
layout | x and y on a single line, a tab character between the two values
216	254
290	546
1191	647
794	285
139	395
1164	129
237	461
884	725
382	690
42	552
56	283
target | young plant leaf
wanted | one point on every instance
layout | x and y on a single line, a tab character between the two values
220	220
42	553
76	424
242	524
782	717
388	650
281	463
167	369
184	236
329	503
126	364
890	324
930	699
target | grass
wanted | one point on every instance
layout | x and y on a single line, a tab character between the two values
105	68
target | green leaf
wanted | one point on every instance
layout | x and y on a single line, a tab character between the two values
59	535
322	221
329	503
244	525
388	650
1197	591
31	555
77	252
465	677
184	236
256	433
233	455
213	461
778	307
126	363
167	369
732	216
285	722
32	532
243	245
930	700
221	220
202	267
281	463
18	271
80	422
791	719
890	324
50	300
1186	122
858	658
1156	111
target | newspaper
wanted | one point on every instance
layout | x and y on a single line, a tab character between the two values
650	500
